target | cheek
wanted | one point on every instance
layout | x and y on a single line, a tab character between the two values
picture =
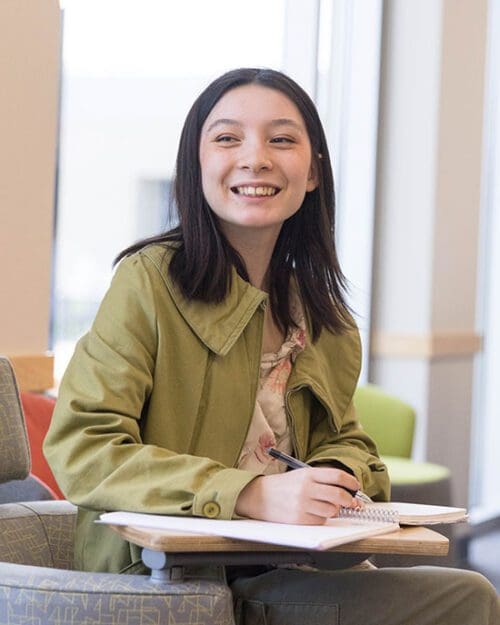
299	168
301	179
211	184
213	169
207	175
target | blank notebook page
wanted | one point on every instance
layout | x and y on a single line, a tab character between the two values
334	532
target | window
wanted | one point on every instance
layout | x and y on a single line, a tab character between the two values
131	70
130	73
348	88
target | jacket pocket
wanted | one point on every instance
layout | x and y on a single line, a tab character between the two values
253	612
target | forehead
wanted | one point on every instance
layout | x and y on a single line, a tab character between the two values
254	104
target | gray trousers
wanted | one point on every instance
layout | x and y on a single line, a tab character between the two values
422	595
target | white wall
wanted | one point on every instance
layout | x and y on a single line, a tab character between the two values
486	493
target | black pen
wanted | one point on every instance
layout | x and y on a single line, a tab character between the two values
293	463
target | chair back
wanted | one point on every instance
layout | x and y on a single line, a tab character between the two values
14	448
389	421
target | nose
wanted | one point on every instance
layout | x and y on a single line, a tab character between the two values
255	157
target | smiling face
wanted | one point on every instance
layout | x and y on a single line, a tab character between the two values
255	158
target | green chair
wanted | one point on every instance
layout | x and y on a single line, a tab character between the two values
391	424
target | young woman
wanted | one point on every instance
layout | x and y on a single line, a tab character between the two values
225	336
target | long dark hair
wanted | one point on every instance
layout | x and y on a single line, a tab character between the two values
203	258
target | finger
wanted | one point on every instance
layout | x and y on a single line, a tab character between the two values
323	509
331	494
307	518
358	504
338	477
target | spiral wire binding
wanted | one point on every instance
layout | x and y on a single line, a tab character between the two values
373	515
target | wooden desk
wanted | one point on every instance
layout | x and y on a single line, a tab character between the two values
166	552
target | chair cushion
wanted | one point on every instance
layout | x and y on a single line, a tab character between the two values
30	489
406	471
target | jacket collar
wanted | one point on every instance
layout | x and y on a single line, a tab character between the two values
217	325
330	367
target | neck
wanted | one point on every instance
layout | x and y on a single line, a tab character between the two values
257	264
256	249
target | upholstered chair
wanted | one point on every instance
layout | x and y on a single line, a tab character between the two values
390	422
37	583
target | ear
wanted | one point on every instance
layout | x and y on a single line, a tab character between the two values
312	178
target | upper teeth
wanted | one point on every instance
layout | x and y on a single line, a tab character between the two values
257	190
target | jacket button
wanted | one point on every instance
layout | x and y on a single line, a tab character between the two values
211	509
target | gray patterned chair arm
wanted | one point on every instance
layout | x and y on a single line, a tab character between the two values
38	533
45	595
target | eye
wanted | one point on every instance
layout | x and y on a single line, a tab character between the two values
282	140
226	139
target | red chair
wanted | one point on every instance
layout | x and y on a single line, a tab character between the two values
38	411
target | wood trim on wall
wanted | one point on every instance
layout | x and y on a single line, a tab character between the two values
435	345
34	372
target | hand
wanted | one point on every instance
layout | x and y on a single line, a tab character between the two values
303	496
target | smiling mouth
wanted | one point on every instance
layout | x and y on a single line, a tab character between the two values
261	191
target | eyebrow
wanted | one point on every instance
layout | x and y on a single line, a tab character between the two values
223	122
282	121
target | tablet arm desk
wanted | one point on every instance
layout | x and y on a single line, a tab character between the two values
166	552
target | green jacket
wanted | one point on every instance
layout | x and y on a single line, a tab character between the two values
155	406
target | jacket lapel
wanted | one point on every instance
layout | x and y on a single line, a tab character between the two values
218	326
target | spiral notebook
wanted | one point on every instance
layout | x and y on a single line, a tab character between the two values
351	525
409	513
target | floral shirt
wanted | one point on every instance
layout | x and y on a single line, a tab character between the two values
269	427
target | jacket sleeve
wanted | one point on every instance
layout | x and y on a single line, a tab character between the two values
354	449
94	443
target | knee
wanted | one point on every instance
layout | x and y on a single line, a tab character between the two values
476	590
478	583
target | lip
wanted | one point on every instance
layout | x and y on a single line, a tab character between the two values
259	183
